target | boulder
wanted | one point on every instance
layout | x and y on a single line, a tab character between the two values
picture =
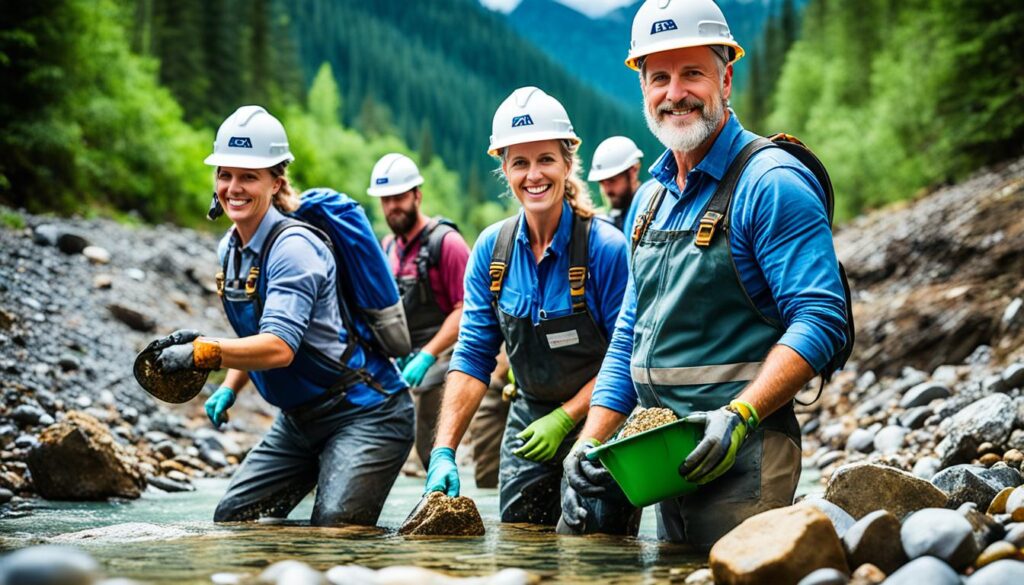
438	514
998	573
48	565
924	393
862	488
841	520
940	533
825	577
78	459
925	570
988	419
777	546
970	483
1002	476
870	540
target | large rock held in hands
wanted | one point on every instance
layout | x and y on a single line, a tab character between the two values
777	546
440	515
78	459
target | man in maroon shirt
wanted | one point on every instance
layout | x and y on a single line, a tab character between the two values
428	259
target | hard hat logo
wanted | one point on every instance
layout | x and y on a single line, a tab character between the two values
240	142
663	26
522	121
382	181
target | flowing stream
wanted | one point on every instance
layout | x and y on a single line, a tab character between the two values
169	538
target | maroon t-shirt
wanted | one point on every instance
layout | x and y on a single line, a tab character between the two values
445	278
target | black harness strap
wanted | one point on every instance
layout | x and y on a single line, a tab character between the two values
578	256
500	255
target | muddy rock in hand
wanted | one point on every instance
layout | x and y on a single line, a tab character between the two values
444	516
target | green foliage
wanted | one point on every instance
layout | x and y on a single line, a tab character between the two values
11	219
86	122
899	96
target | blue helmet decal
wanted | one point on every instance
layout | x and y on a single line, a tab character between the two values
524	120
382	181
240	142
662	26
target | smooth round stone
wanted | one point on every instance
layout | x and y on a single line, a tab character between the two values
1015	535
351	575
890	438
48	565
861	440
940	533
995	552
826	576
989	459
867	574
1015	504
998	505
292	573
922	571
926	467
1002	572
1013	458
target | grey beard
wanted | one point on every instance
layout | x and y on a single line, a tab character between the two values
692	136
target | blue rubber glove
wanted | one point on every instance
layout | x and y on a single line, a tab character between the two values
443	473
218	404
417	367
724	432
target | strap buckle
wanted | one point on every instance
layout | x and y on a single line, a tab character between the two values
706	229
250	281
577	281
220	283
497	276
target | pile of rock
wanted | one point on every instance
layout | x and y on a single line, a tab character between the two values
878	523
645	419
78	300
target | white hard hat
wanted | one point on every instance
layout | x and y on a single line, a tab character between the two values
529	115
613	156
393	174
250	139
663	25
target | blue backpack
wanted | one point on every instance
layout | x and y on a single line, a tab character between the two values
371	308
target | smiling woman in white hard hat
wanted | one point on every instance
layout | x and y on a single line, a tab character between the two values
345	425
548	282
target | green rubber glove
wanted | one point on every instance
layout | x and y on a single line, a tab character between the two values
544	435
724	433
218	404
417	367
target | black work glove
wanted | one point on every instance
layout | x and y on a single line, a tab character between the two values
590	478
724	433
574	515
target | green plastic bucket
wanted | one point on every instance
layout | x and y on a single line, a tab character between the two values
646	465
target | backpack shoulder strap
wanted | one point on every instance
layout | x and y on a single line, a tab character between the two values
501	253
440	228
579	254
800	152
717	210
644	221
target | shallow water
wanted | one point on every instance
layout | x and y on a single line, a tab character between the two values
206	548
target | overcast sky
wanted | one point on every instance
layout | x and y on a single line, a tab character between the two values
589	7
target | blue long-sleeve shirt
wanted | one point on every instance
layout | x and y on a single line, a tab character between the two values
781	243
540	291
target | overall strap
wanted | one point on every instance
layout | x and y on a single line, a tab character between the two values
501	253
717	210
579	255
644	221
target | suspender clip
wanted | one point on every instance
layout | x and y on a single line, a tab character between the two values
220	283
497	276
706	229
577	280
250	281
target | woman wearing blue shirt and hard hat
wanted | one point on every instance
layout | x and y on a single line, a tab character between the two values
346	421
548	282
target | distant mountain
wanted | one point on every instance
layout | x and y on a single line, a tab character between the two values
594	49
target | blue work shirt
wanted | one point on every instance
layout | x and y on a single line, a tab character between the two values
781	243
540	291
301	304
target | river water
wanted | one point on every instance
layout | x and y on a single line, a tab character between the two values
179	544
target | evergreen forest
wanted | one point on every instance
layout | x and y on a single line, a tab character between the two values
110	106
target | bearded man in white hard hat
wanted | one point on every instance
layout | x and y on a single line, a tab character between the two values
428	260
616	167
735	299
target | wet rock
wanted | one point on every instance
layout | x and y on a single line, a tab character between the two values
1015	504
169	485
926	468
862	488
988	419
870	540
291	573
867	574
1000	572
48	565
928	570
132	318
964	483
825	577
440	515
78	459
943	534
128	532
924	393
841	520
890	439
778	546
985	529
861	440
